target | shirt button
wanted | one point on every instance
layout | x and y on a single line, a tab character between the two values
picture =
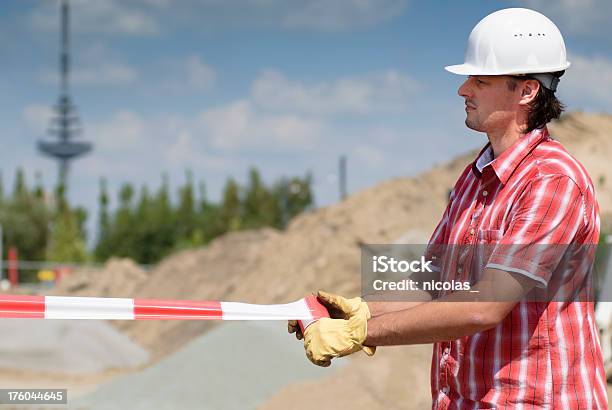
459	270
446	390
472	231
485	193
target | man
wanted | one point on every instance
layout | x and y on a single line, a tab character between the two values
500	349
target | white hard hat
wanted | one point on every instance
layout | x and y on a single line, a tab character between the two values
512	42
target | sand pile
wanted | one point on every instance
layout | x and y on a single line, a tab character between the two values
210	273
588	138
396	378
119	277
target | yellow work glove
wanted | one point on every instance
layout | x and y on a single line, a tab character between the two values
328	338
338	307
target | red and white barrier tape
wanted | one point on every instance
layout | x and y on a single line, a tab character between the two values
305	310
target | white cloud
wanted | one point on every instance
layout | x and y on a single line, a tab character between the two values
103	74
588	81
125	131
129	144
587	17
37	118
280	117
186	152
240	126
368	155
149	17
281	125
210	140
93	16
186	74
157	3
199	74
383	91
341	14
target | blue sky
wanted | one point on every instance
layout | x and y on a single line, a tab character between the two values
284	85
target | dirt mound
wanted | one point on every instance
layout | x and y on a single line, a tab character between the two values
119	277
588	138
395	378
210	273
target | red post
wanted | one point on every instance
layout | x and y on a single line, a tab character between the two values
61	272
13	273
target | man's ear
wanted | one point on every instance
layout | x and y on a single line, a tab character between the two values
529	91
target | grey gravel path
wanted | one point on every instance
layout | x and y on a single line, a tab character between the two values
66	346
237	365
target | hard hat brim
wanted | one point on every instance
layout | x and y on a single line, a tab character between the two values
470	69
464	69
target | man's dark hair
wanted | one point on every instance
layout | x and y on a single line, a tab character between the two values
544	108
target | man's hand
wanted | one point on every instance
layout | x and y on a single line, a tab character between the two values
338	308
341	334
328	338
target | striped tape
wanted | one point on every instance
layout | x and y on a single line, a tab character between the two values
305	310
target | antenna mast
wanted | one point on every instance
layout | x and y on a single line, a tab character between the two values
65	125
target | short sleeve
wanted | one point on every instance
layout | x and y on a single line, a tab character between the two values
544	222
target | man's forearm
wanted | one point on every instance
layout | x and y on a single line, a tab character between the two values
426	323
454	315
378	308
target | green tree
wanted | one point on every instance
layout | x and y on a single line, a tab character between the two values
144	230
66	231
153	226
300	196
39	190
25	222
67	242
231	210
20	184
102	250
122	235
293	196
163	222
186	215
259	204
209	216
25	219
1	187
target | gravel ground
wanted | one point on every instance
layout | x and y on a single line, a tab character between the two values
68	347
237	365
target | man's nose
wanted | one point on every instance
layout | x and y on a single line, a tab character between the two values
465	90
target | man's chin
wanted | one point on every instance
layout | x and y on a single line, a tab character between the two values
473	125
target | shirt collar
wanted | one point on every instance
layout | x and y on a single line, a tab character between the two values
508	161
485	158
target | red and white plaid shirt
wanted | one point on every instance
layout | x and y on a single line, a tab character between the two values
544	354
